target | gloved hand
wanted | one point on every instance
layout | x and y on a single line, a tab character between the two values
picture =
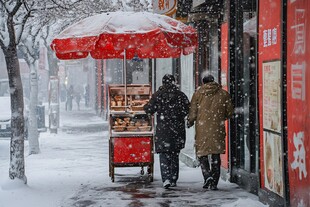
189	124
196	162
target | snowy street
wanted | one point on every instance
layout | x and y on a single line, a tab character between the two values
72	170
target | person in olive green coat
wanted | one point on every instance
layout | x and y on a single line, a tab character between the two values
210	107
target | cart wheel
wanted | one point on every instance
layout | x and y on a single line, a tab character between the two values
142	171
151	178
150	171
112	174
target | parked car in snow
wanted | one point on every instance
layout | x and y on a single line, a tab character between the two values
4	87
5	116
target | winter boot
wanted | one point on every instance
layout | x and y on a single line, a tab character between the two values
167	184
208	182
213	187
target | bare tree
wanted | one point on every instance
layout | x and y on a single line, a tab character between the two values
12	23
14	16
30	48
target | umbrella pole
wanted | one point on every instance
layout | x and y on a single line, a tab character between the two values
125	78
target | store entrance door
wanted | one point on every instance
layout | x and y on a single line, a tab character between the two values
244	141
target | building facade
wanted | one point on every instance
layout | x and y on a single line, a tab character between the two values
257	50
263	63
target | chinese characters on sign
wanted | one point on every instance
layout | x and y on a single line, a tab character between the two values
163	4
300	32
270	37
298	80
167	7
300	155
299	68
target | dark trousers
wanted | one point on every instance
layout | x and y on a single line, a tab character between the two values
169	166
211	169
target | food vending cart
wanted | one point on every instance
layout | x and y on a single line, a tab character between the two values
131	129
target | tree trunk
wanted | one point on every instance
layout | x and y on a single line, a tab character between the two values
17	161
54	115
33	135
52	62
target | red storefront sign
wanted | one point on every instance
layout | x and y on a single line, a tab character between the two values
298	101
224	79
270	100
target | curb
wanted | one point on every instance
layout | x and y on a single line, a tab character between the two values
87	128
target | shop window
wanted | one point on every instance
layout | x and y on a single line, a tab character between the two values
248	87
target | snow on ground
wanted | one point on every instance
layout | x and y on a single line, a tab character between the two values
72	170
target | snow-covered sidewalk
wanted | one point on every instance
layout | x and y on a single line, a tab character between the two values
72	170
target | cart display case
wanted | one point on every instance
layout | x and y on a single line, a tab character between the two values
131	129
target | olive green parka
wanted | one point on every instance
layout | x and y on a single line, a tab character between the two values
210	107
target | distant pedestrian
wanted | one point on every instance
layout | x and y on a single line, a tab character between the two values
70	95
86	95
210	107
62	92
78	99
171	106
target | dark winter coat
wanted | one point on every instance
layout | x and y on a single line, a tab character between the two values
171	106
210	107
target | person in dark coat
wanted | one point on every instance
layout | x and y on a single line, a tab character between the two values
70	95
171	106
86	95
78	99
210	107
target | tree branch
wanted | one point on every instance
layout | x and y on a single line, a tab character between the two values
16	7
3	5
26	5
63	7
2	45
23	26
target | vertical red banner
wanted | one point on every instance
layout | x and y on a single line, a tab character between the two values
224	82
298	101
270	73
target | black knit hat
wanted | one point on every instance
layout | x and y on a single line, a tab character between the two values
208	79
168	79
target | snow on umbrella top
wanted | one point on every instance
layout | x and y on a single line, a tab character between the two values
141	34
